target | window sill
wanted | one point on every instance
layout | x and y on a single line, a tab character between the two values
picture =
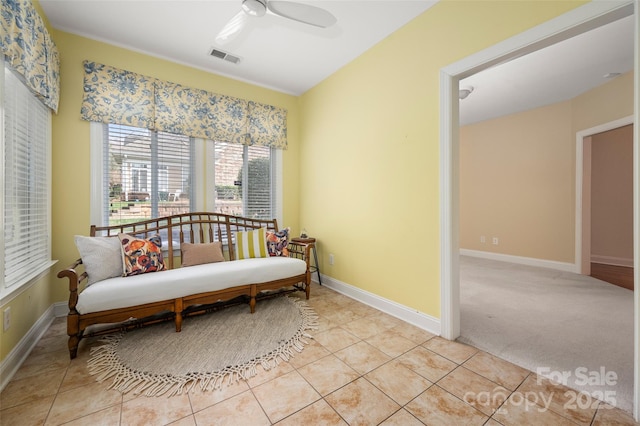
6	294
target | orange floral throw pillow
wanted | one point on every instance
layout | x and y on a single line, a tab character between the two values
277	242
141	255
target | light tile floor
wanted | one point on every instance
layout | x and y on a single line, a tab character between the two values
363	367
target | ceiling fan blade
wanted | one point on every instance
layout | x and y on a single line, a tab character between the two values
232	28
302	13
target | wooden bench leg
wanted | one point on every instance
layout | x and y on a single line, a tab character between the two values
73	331
252	302
73	343
178	311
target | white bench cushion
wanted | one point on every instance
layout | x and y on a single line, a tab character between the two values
152	287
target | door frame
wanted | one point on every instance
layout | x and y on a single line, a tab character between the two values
583	200
577	21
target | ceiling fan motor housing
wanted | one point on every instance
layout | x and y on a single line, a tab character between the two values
254	7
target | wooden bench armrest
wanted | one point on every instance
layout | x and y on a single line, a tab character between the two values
74	282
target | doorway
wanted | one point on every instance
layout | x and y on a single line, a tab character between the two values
582	19
604	238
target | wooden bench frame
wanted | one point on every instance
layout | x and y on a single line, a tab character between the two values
188	227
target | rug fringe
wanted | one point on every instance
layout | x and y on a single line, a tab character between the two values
104	364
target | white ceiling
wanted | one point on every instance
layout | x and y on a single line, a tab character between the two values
292	57
557	73
274	52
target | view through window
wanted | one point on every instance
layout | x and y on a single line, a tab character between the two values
149	174
243	179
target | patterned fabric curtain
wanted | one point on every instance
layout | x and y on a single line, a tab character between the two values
116	96
199	113
267	125
30	51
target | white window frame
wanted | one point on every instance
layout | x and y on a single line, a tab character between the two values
26	281
276	179
98	148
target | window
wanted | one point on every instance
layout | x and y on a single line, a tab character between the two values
148	174
25	205
244	183
139	174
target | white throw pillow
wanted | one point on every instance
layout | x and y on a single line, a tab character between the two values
101	256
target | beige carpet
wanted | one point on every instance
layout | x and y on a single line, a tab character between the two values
222	346
551	321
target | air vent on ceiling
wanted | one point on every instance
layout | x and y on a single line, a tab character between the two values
224	55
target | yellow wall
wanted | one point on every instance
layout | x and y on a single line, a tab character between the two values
71	134
26	309
370	149
361	173
517	174
71	168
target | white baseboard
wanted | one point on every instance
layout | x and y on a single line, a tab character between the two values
419	319
611	260
19	354
530	261
60	309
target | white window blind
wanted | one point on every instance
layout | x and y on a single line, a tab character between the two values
147	174
244	180
26	151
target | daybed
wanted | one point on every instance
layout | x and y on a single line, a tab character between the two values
150	277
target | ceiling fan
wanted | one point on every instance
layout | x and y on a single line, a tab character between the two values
300	12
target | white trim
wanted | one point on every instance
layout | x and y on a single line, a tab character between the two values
276	173
199	174
60	309
520	260
612	260
636	217
580	136
2	161
449	208
21	351
30	280
419	319
96	190
210	177
577	21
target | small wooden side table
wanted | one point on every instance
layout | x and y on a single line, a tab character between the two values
311	240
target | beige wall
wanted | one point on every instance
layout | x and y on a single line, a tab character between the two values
612	196
517	174
516	184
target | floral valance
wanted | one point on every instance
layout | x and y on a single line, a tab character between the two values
30	51
112	95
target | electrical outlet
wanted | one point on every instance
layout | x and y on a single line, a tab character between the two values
7	319
331	259
495	241
483	239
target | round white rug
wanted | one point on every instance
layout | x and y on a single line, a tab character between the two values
225	345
